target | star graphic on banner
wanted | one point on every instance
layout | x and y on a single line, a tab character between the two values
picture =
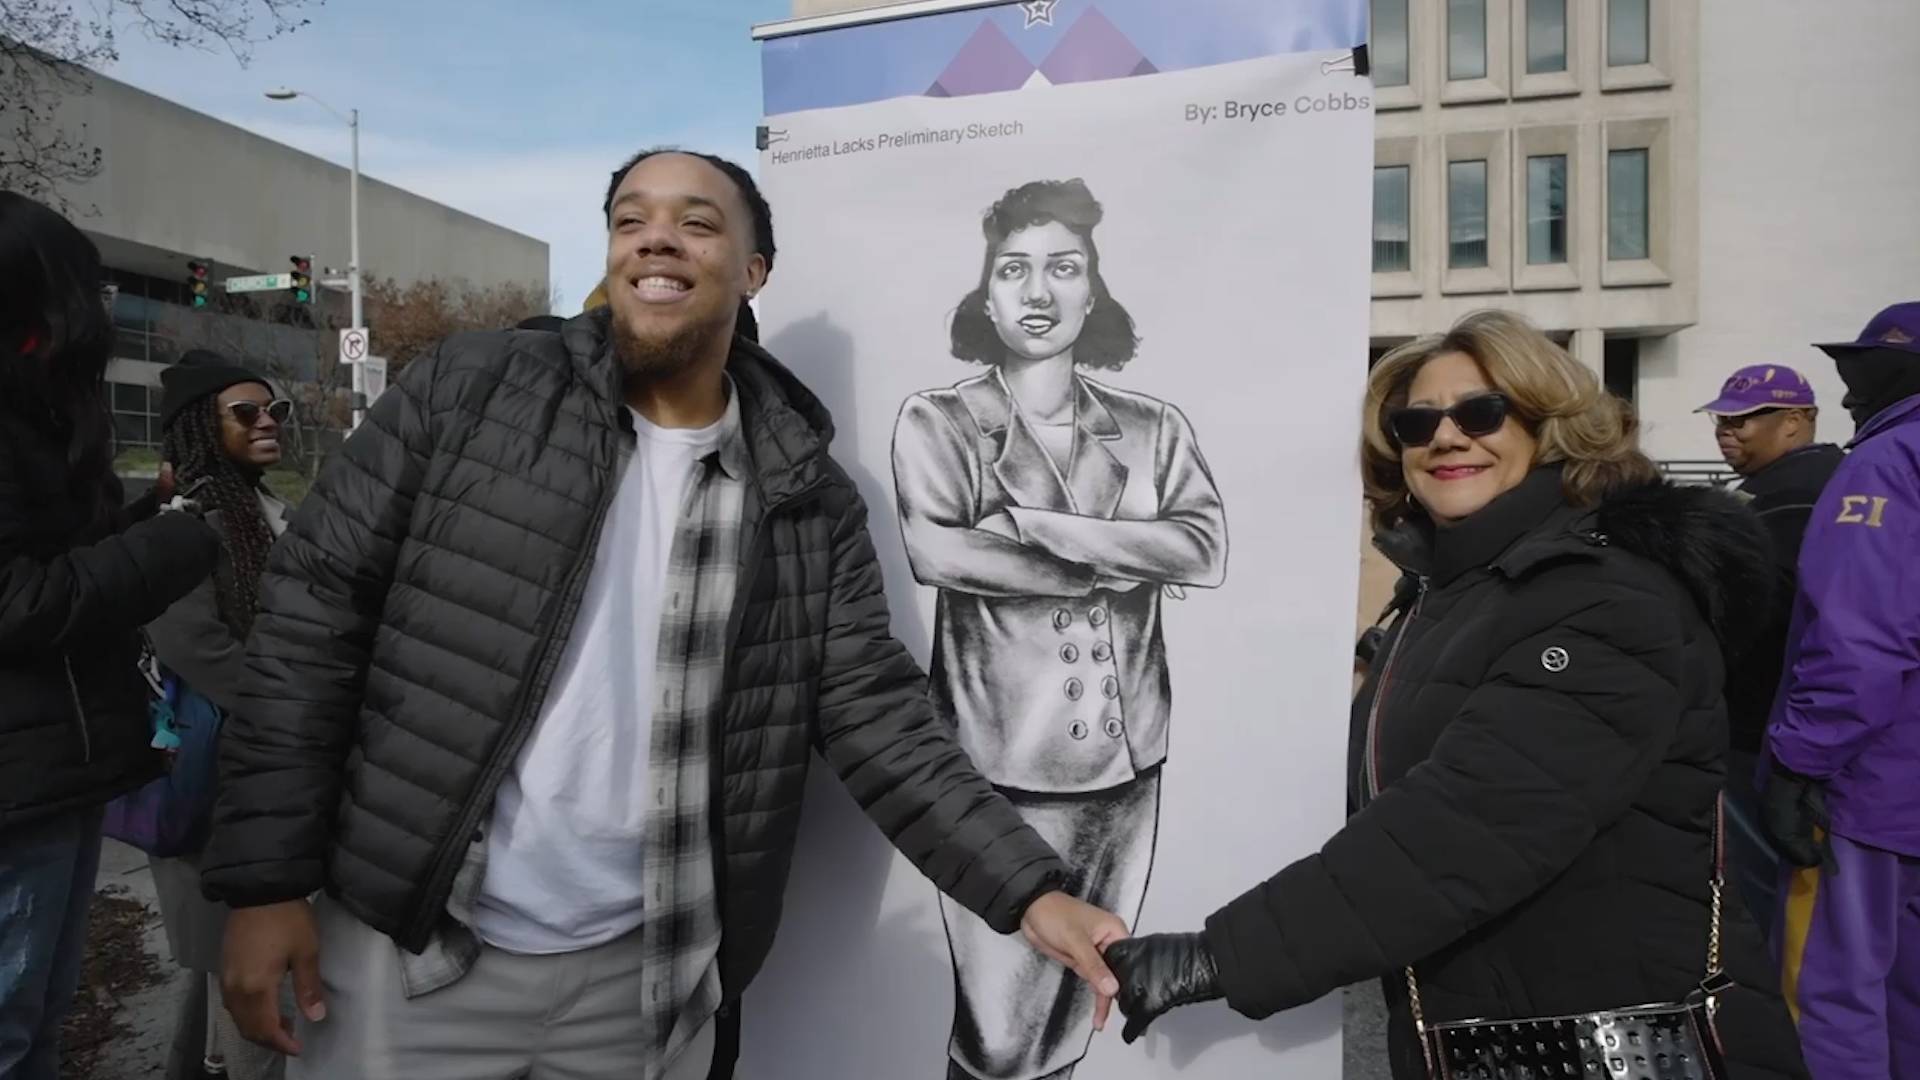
1039	12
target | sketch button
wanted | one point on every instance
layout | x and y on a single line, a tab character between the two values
1097	617
1077	729
1110	688
1102	652
1115	729
1062	618
1071	652
1074	689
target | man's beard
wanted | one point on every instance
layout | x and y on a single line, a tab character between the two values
655	358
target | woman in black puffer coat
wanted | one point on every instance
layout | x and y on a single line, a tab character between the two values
78	577
1539	748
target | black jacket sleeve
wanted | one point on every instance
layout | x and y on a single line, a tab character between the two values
194	643
903	766
118	583
1526	774
283	754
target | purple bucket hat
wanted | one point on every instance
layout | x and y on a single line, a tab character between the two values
1762	386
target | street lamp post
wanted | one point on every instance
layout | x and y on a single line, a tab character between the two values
352	119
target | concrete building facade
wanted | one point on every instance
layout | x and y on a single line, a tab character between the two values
1671	188
180	186
1676	188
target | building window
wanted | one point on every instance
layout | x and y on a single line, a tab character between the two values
135	419
1466	214
1547	209
1620	361
143	306
1466	39
1546	36
1392	219
1628	33
1627	224
1390	49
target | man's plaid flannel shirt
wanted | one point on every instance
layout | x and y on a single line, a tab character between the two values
680	938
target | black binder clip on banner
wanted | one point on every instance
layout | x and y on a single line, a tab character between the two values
1355	61
764	136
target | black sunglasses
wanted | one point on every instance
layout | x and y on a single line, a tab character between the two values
1482	414
248	412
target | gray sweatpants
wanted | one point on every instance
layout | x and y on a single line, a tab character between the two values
565	1017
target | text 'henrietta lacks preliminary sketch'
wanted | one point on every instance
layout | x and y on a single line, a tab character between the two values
1053	513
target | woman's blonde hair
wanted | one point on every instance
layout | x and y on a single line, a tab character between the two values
1572	417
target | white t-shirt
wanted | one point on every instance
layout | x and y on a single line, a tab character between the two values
565	845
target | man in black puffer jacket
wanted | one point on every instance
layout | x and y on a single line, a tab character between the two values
538	670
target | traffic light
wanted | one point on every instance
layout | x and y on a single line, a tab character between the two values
302	286
197	284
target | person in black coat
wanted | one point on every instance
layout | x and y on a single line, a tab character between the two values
221	424
1765	423
1538	752
78	576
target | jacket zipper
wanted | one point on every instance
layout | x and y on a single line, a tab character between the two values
452	851
79	711
1380	694
716	786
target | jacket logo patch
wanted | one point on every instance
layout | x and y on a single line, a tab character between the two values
1853	510
1555	659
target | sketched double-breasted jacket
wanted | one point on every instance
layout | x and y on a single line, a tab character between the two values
1047	650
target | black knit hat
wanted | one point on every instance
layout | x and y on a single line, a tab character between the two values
200	373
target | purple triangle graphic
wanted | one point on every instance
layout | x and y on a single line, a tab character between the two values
1094	49
987	64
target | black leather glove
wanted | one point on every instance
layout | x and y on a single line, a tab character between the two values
1160	972
1794	812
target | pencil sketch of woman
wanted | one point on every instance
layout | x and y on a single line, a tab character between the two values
1053	513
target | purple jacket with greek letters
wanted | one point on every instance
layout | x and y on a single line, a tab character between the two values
1849	707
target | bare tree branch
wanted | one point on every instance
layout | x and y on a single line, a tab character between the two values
49	52
407	319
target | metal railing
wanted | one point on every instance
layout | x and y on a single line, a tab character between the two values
1703	473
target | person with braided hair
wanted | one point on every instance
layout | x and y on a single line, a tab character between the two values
222	431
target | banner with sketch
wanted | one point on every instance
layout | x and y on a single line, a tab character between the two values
1085	284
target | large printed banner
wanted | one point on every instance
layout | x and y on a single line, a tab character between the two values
1085	284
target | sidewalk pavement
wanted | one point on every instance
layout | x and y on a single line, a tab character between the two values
139	1050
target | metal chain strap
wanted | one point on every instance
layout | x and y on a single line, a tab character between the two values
1713	930
1718	884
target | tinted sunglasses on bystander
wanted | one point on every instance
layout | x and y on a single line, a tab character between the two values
1416	425
247	413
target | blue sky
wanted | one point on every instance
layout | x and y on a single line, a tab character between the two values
516	112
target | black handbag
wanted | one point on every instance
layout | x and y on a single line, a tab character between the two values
1675	1041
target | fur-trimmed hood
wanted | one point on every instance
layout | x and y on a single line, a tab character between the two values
1705	537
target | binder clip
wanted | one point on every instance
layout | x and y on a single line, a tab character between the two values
1355	61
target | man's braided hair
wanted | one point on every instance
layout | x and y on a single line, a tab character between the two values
193	445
